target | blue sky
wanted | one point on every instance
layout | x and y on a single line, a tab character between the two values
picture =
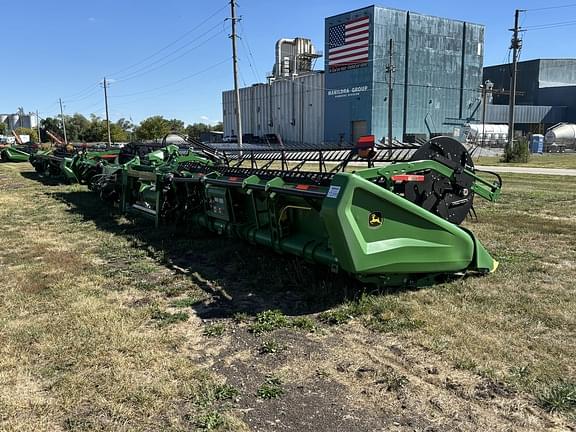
174	58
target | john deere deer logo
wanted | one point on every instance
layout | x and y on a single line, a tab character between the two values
375	219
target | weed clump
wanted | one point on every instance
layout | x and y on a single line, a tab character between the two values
382	313
271	346
271	389
210	421
392	380
225	392
335	317
561	396
305	324
240	317
166	318
214	330
465	363
269	320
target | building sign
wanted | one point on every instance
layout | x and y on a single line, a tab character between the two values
347	91
349	44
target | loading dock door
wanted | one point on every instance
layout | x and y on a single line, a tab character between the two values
359	128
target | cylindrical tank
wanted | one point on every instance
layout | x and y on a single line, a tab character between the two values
488	134
561	134
13	121
25	121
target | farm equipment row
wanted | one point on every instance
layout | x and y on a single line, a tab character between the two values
392	224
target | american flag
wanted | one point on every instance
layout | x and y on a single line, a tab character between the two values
348	43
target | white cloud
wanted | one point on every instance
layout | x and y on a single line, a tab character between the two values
205	118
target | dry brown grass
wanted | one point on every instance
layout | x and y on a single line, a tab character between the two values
549	160
74	355
93	337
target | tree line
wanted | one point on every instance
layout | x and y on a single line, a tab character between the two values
82	129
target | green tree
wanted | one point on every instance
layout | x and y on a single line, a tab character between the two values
125	125
219	127
3	128
51	124
117	134
176	125
95	131
153	128
77	127
194	130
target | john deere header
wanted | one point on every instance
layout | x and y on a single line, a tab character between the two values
385	215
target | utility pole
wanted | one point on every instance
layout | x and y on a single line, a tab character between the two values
63	122
516	45
107	118
236	89
38	127
390	69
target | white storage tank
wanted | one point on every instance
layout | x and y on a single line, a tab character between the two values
13	121
563	134
489	133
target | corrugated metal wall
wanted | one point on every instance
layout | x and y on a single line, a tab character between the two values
388	24
438	70
438	73
444	69
526	114
292	108
542	83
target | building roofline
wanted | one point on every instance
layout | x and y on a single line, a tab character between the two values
534	60
403	10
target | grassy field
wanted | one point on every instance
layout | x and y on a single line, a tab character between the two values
108	324
548	160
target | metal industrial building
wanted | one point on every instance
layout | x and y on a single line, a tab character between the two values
291	104
547	93
19	120
438	69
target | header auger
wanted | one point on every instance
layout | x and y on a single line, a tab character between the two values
385	224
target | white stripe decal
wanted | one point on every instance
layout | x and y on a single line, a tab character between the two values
349	59
348	53
358	30
353	38
357	23
347	46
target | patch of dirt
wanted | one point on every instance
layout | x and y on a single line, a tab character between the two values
317	402
351	379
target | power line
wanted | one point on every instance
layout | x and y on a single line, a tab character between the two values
187	77
82	92
378	85
92	89
549	25
252	60
145	71
88	95
249	60
173	42
85	108
553	7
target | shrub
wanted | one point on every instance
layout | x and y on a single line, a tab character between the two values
519	153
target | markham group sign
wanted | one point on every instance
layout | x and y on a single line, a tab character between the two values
347	91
